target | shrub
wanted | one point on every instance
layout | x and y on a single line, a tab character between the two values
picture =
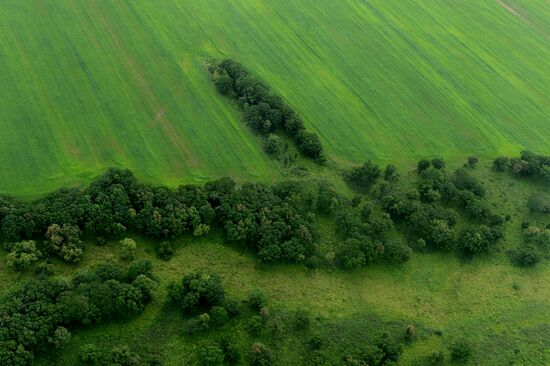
129	248
539	203
274	145
301	320
89	354
460	351
525	256
472	161
436	358
258	299
165	251
23	254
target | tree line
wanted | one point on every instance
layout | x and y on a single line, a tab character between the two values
264	111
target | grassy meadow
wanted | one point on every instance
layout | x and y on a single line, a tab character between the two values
92	84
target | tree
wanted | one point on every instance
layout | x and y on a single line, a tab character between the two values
500	164
224	83
211	355
364	176
23	254
124	357
390	173
260	355
423	165
89	354
309	144
129	248
65	242
197	291
438	163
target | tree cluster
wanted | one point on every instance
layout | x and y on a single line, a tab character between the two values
275	222
528	164
36	315
263	110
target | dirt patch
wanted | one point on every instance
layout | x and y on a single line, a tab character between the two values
510	9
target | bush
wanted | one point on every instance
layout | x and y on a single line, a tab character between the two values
274	145
436	358
472	162
23	254
301	320
526	256
129	248
539	203
197	291
258	299
460	351
165	251
89	354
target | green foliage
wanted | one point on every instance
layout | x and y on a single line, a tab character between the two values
23	254
45	308
197	291
460	350
364	176
258	299
526	256
539	202
264	111
123	356
89	354
65	242
165	250
261	355
211	355
129	248
218	314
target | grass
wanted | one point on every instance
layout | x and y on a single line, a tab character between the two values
86	85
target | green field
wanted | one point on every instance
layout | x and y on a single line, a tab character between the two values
91	84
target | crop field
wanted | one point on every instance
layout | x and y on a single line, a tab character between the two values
91	84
